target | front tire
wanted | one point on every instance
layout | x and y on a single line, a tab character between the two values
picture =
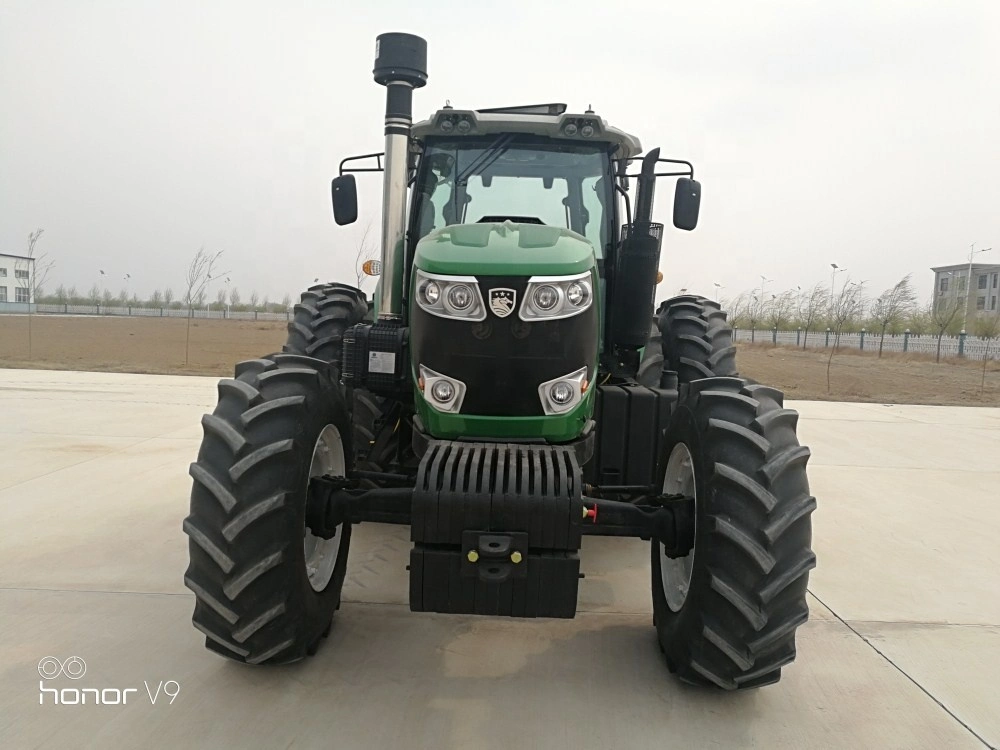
266	589
726	614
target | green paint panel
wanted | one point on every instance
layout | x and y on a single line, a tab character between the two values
556	429
504	249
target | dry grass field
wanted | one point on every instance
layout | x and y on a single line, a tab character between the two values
157	345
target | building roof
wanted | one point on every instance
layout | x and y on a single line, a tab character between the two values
965	267
18	257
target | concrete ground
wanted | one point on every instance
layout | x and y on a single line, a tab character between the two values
901	650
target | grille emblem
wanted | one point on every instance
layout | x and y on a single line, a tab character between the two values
502	301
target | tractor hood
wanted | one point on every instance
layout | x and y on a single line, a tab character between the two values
504	249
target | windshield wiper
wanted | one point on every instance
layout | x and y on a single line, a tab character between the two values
492	152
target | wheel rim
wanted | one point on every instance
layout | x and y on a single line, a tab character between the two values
675	573
321	554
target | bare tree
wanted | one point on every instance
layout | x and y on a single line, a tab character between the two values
919	320
123	296
943	312
286	302
157	299
234	297
986	327
31	274
254	300
844	307
892	306
367	250
62	296
107	298
813	306
220	297
754	313
196	281
780	309
734	309
94	295
168	296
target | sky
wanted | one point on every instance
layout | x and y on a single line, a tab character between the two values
865	133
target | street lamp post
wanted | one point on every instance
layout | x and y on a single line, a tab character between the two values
763	280
968	283
833	280
718	290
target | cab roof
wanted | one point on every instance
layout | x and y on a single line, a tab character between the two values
539	119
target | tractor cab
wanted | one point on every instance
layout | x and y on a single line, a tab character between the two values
526	165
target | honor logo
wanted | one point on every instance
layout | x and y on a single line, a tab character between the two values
73	668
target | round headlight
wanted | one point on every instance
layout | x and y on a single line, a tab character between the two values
545	297
570	129
432	292
443	391
587	130
447	126
464	126
561	392
460	296
576	293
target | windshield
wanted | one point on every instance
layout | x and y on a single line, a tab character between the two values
523	178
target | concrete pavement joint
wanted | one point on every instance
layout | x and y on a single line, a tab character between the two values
903	672
95	591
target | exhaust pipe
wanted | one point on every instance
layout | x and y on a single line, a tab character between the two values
400	66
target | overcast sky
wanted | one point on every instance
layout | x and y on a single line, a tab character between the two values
857	132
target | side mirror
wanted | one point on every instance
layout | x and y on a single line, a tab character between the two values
687	200
345	199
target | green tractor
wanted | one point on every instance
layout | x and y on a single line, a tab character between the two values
508	391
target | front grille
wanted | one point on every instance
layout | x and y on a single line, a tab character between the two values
503	360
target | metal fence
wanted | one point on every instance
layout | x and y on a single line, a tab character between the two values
962	345
21	308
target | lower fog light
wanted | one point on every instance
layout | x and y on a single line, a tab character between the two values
443	391
561	392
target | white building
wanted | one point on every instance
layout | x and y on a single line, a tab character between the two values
17	280
951	284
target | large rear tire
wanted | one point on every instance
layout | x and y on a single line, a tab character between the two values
322	316
266	589
726	613
692	335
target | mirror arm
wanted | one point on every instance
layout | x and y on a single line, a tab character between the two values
379	167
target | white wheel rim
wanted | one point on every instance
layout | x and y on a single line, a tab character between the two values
675	573
321	554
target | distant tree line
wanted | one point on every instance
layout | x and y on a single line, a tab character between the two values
848	308
163	298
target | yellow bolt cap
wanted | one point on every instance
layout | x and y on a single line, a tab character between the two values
515	557
473	555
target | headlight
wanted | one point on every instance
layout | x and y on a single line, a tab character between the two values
431	292
555	297
545	297
455	297
442	392
460	297
562	394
